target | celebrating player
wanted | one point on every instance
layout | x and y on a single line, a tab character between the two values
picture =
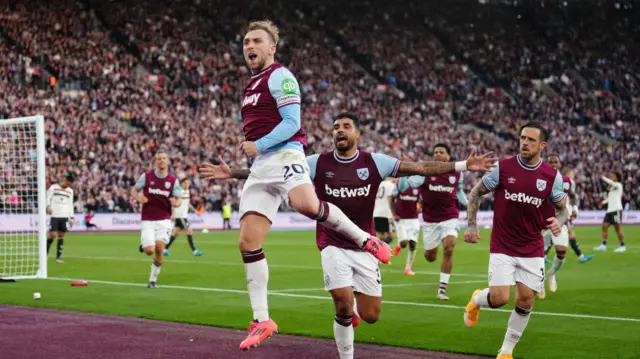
181	223
362	172
522	185
614	212
160	192
404	209
560	243
60	207
381	214
440	197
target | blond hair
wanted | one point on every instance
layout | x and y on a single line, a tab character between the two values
268	26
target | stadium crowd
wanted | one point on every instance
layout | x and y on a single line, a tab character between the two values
115	82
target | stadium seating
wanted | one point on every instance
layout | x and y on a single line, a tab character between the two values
129	79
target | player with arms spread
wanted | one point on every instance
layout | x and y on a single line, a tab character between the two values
404	209
158	191
614	212
348	178
60	207
181	223
440	211
522	185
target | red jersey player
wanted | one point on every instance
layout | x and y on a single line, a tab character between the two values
522	185
160	192
348	178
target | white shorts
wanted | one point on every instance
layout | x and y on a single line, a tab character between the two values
408	229
561	240
153	231
507	270
434	233
348	268
273	176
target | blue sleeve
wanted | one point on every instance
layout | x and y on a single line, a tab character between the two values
462	197
387	166
285	90
557	191
312	161
141	182
410	182
395	191
177	189
492	179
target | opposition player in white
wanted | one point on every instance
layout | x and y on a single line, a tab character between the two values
614	212
60	207
181	219
158	191
382	218
441	199
522	184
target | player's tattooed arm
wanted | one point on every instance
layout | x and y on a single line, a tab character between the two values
562	211
425	168
471	234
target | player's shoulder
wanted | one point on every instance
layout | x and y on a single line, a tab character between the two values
279	73
549	171
55	185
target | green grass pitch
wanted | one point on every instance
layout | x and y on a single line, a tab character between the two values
592	315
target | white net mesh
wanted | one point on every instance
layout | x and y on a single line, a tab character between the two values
19	231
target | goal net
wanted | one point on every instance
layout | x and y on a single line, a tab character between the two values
23	252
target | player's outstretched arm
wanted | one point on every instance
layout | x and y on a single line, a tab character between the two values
473	163
210	171
471	234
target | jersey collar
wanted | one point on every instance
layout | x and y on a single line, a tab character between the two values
526	166
346	159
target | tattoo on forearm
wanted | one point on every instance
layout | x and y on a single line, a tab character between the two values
426	168
473	206
241	173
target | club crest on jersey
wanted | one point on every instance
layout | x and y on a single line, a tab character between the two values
452	179
167	185
541	184
363	173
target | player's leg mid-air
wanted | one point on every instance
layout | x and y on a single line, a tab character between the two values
431	254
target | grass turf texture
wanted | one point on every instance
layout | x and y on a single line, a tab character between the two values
607	286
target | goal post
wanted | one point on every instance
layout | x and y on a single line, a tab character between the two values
23	218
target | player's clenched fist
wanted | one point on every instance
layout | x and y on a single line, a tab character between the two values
249	149
471	235
554	226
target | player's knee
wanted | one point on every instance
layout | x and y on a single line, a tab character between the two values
561	252
525	302
448	251
305	205
369	315
343	305
412	245
498	298
149	250
403	244
430	256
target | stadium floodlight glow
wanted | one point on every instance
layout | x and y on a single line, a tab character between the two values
23	251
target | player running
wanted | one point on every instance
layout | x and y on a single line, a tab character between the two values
181	214
522	185
60	207
158	191
614	212
346	263
566	234
440	211
382	217
404	209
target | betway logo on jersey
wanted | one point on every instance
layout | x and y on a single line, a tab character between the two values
348	192
409	198
440	188
523	198
251	100
159	192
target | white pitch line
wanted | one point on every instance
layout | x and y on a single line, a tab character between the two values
292	295
239	263
383	286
